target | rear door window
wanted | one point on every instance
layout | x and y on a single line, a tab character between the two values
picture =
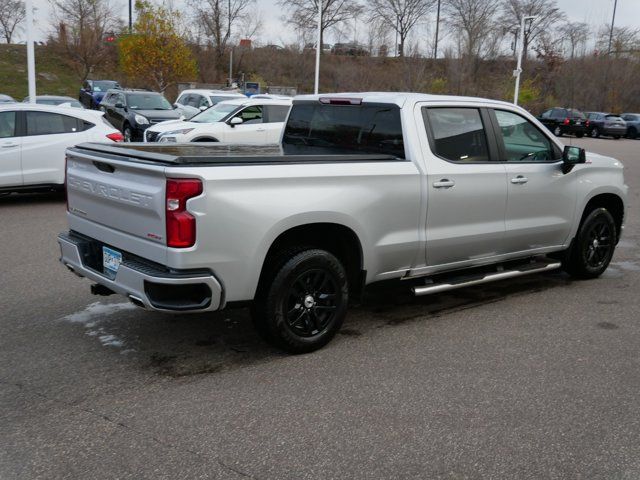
334	129
7	124
47	123
458	134
251	115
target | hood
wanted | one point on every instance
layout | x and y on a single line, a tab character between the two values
158	115
602	161
98	95
179	125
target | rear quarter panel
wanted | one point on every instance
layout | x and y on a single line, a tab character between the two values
240	215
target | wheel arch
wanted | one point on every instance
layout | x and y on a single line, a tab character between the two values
338	239
204	139
612	202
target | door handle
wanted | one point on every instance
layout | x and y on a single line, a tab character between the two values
444	183
9	145
519	180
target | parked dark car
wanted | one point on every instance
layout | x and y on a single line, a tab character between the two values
352	49
55	100
607	124
92	92
633	124
565	121
133	111
6	99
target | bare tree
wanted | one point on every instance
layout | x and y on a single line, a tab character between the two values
625	41
575	35
217	18
12	13
474	21
304	14
81	29
546	12
401	15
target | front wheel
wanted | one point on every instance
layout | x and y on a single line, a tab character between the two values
592	249
128	134
595	133
302	301
557	131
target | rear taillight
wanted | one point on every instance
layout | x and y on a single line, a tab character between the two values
116	137
181	225
566	121
587	123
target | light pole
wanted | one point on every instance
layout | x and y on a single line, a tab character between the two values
518	70
31	56
613	21
318	48
435	48
130	16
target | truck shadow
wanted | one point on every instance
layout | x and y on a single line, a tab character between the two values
186	345
32	198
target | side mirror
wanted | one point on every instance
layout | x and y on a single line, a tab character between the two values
572	156
203	108
235	121
119	105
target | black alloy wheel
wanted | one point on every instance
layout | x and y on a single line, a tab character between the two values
312	302
302	300
595	133
593	247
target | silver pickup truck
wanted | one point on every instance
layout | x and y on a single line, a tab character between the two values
443	192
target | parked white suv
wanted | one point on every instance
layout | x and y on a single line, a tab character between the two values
238	121
203	99
34	138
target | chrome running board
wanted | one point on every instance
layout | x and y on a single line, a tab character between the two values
486	278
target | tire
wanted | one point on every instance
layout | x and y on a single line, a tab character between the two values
579	135
302	300
595	133
616	137
127	133
557	131
592	249
633	133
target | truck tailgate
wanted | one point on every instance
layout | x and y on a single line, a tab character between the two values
124	196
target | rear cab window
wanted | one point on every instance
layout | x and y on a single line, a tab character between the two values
333	129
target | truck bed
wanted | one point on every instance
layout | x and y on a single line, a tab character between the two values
203	154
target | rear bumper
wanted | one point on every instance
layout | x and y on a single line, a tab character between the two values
143	283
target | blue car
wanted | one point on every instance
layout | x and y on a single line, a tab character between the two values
92	92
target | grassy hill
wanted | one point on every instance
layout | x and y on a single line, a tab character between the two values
53	76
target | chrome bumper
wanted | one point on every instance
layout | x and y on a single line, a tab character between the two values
136	281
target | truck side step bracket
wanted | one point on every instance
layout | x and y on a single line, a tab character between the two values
462	281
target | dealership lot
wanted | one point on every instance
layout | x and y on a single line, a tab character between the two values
534	378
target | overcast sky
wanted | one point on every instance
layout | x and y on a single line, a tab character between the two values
592	12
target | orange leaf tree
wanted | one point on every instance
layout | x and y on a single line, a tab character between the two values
155	52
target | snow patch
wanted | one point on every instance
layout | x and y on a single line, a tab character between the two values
91	316
97	309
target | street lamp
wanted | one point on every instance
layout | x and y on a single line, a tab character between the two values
31	57
518	70
318	49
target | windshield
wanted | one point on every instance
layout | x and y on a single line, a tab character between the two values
103	86
215	99
148	101
215	113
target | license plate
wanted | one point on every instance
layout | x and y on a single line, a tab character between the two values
111	259
578	123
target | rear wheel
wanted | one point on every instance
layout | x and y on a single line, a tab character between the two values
616	137
302	301
579	134
633	133
595	133
557	131
592	249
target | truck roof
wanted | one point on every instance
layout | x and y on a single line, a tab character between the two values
399	98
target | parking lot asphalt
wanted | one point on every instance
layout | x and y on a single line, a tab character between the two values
534	378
